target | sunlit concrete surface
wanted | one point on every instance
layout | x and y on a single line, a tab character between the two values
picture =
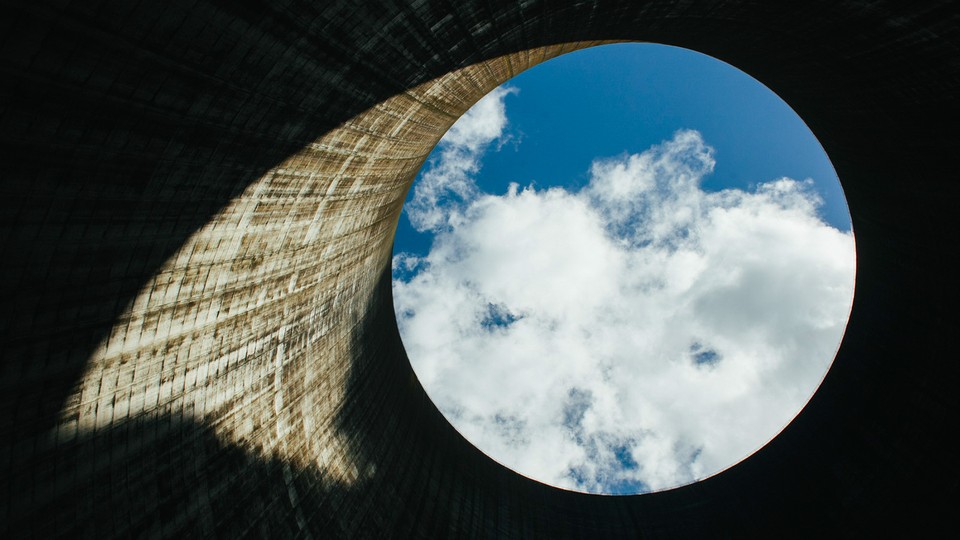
198	204
249	326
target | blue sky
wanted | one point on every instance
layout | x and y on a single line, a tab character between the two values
612	99
624	270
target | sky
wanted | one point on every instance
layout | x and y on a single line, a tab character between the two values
624	270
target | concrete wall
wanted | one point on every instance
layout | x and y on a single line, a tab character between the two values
198	207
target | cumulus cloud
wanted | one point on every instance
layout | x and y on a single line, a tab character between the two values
633	335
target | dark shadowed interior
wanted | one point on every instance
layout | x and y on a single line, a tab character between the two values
198	204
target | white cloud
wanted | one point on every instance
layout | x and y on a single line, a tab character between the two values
637	334
448	182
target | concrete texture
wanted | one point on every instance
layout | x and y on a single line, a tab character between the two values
198	204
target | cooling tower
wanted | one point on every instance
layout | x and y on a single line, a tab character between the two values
199	201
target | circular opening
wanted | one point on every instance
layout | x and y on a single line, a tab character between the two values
624	270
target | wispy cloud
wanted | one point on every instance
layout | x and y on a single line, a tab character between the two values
637	334
447	184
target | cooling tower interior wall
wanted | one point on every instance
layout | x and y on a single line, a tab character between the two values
198	205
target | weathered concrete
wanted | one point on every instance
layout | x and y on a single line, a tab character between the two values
198	207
